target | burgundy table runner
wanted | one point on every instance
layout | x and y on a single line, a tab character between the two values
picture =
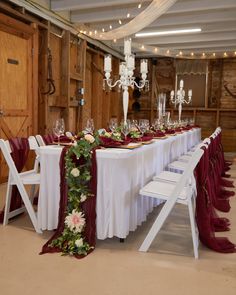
89	208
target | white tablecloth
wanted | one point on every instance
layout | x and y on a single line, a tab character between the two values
120	175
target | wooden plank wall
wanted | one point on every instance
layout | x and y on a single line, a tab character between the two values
78	77
218	109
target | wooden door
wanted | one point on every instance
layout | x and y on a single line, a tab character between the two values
16	82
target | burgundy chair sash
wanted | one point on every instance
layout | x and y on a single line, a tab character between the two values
207	219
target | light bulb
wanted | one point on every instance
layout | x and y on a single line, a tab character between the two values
140	5
120	22
128	15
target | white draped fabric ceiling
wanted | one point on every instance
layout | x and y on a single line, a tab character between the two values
142	20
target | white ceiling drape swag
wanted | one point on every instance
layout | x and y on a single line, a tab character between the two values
191	67
144	19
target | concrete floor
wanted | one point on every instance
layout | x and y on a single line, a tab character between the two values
115	268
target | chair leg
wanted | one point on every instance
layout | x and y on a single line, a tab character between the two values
7	204
29	207
193	228
32	193
161	218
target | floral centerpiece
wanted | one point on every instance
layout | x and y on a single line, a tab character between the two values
78	162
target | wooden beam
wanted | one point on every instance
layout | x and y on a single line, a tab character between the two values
99	14
35	70
65	75
62	5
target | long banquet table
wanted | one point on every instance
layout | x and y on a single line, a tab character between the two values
120	175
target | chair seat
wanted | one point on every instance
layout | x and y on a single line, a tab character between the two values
190	153
29	177
185	158
167	176
163	190
178	165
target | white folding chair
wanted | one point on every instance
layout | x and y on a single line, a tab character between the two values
182	162
180	192
30	177
40	140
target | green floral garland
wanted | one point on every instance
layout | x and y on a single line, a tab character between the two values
71	241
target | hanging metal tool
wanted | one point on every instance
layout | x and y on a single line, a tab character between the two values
51	86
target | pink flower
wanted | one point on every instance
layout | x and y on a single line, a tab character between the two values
75	221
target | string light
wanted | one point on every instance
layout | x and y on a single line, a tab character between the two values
203	54
85	32
114	40
128	15
110	27
95	32
168	51
192	53
180	53
142	47
120	21
156	49
90	33
225	54
140	5
234	52
214	54
103	30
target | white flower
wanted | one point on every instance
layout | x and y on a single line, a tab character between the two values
79	243
107	134
89	138
75	143
75	172
83	197
75	221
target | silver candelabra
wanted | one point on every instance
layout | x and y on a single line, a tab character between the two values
126	71
179	98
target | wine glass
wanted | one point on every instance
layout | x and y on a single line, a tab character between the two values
142	125
59	128
156	124
113	124
125	128
89	126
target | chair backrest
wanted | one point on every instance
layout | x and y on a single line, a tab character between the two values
188	172
40	140
6	150
33	144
